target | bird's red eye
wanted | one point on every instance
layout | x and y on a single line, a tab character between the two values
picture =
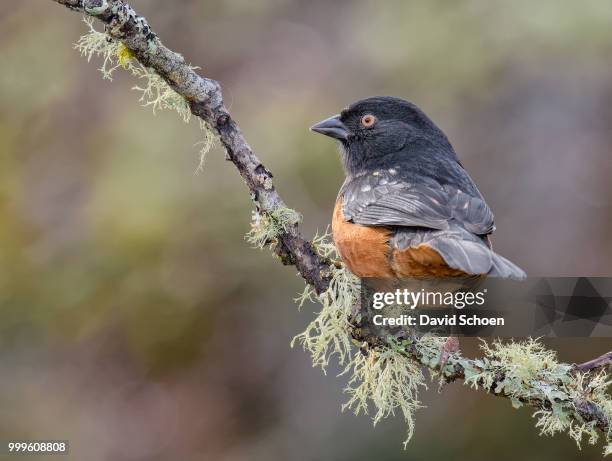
368	120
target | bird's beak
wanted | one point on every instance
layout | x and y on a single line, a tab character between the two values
332	127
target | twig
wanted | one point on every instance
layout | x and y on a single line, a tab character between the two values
600	362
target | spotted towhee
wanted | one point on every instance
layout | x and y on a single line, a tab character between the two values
407	208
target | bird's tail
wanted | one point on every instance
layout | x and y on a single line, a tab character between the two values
461	250
501	267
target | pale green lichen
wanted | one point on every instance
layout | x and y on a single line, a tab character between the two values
328	335
157	94
154	91
99	44
430	349
390	381
266	227
527	372
205	144
96	9
525	360
383	376
324	245
326	248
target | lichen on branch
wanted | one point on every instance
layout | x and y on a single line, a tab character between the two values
266	228
387	372
529	374
383	374
154	90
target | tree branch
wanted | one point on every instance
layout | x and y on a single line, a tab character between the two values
205	100
600	362
493	378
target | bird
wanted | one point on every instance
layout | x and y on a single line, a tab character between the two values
408	208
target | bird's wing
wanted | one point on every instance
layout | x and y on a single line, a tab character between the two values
385	199
460	249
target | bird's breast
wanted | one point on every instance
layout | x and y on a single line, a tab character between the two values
365	250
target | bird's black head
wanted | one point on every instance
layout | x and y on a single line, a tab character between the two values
383	129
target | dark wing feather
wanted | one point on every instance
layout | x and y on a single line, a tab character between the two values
460	249
471	211
386	199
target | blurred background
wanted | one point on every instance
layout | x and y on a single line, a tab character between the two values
136	322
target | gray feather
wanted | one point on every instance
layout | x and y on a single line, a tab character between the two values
460	249
384	199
